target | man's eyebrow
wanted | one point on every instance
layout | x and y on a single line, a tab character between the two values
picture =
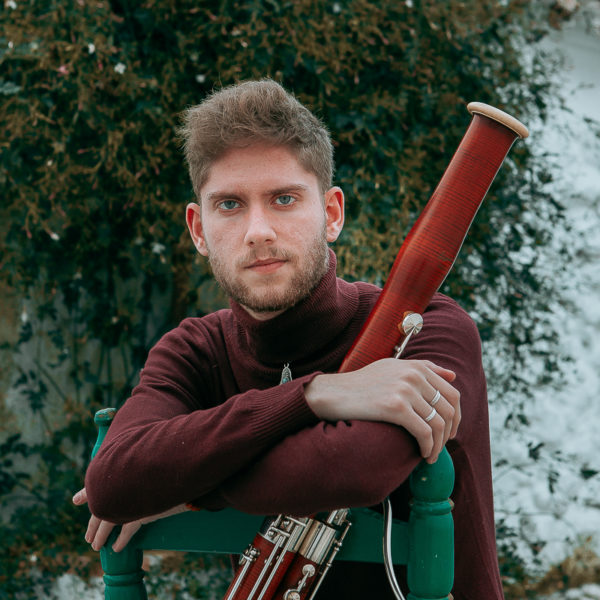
294	187
237	194
215	196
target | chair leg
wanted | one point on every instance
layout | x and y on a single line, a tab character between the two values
123	574
430	567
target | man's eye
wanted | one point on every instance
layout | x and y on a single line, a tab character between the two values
228	204
285	200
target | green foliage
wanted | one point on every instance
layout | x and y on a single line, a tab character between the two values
94	187
205	577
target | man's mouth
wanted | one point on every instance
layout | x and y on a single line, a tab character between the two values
268	265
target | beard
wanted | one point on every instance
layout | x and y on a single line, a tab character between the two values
308	270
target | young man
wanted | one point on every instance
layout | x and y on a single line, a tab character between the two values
210	423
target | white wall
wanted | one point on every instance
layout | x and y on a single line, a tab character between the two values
566	420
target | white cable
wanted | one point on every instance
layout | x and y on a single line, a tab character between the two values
387	549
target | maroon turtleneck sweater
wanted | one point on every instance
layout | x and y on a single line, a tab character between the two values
209	422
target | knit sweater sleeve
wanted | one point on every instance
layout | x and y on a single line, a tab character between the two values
358	463
173	440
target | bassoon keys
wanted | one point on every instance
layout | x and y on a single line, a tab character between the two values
289	557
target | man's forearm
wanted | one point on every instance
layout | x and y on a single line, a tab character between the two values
153	458
327	466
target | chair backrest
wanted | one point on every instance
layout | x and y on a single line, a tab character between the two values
425	543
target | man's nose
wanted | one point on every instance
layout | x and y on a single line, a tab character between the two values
260	228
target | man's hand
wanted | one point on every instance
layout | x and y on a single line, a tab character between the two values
394	391
98	530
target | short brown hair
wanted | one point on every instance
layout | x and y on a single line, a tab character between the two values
250	112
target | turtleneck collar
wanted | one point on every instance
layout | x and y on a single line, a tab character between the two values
301	331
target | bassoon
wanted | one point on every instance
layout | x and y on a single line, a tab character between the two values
289	556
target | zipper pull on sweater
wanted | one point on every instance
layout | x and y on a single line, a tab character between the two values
286	374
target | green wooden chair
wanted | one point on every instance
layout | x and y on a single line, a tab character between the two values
425	544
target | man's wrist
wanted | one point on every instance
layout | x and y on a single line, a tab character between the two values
320	395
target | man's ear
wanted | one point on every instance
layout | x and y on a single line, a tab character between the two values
334	212
193	219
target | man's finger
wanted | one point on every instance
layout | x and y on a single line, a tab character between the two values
452	397
92	528
127	532
446	374
437	427
102	534
80	497
416	426
456	421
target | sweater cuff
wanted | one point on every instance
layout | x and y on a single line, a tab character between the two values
285	409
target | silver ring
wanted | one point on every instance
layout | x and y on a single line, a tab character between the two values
431	415
436	398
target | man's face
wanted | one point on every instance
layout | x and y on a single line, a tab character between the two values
264	226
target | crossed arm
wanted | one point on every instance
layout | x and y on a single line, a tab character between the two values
368	431
397	393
